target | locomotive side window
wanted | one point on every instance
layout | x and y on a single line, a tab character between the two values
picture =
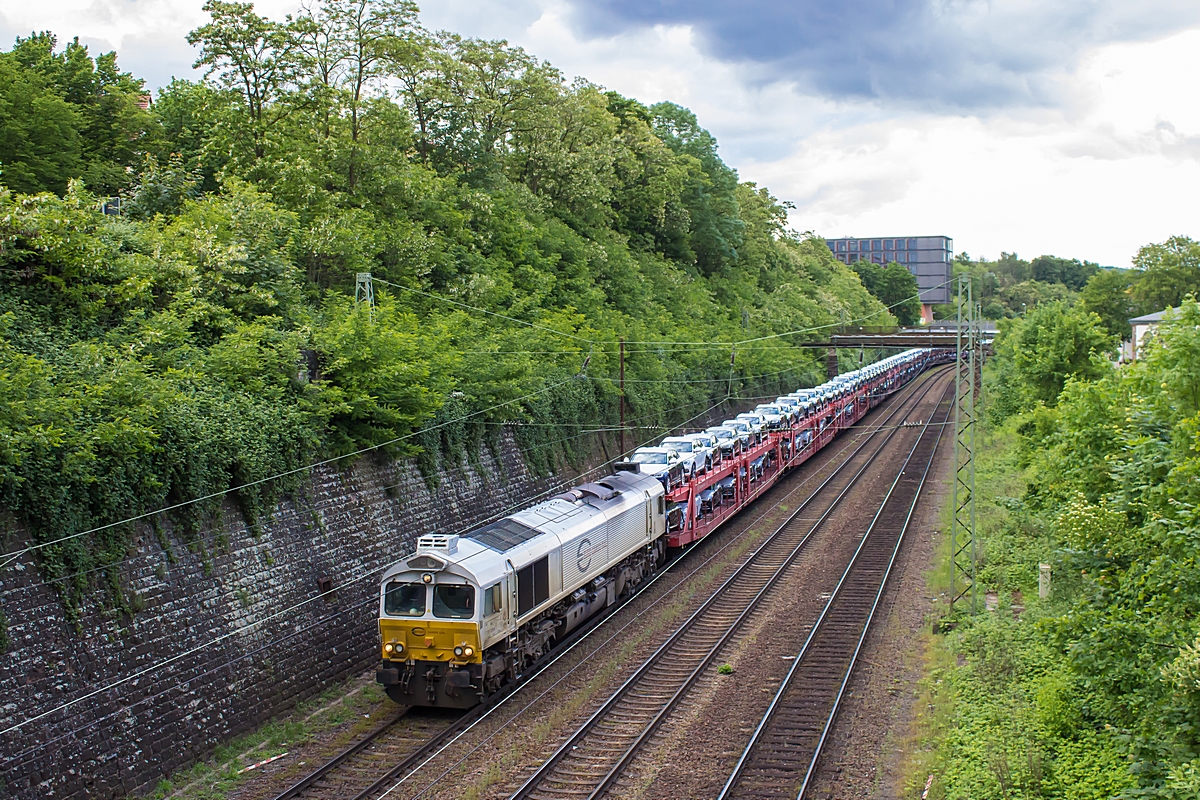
533	585
662	505
493	600
404	599
452	601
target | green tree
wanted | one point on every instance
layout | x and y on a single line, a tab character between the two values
492	91
194	118
709	198
349	42
1071	272
114	130
1169	271
894	286
252	56
1107	295
40	145
1036	355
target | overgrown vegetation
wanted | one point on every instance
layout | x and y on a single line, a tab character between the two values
895	287
1162	275
516	225
1092	469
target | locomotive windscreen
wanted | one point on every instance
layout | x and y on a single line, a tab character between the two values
533	585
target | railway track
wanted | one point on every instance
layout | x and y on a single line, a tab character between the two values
376	762
361	770
591	760
783	753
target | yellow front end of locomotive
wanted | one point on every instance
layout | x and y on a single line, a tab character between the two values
430	640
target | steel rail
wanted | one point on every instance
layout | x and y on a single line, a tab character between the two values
547	769
460	725
679	694
757	739
296	789
911	387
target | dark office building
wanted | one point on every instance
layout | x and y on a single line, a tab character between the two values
927	258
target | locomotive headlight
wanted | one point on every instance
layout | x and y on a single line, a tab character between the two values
389	647
427	577
458	651
468	651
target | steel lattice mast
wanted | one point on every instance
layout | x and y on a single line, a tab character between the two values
962	530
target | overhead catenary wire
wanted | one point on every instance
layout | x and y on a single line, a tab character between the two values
257	623
665	343
246	628
7	558
214	532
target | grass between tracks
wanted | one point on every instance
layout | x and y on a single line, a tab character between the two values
337	716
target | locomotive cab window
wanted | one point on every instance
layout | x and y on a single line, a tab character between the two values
451	601
404	599
493	600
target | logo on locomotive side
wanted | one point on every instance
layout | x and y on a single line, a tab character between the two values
584	559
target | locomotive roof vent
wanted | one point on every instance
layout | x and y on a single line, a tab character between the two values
597	490
438	541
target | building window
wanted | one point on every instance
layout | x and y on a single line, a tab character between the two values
876	244
841	247
877	258
853	247
912	244
889	244
853	257
900	243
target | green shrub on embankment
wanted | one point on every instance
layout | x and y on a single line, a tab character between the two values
207	336
1095	692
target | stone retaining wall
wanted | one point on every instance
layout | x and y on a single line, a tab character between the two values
228	635
237	656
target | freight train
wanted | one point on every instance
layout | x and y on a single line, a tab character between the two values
463	616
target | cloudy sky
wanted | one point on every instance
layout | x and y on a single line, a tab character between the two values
1069	127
